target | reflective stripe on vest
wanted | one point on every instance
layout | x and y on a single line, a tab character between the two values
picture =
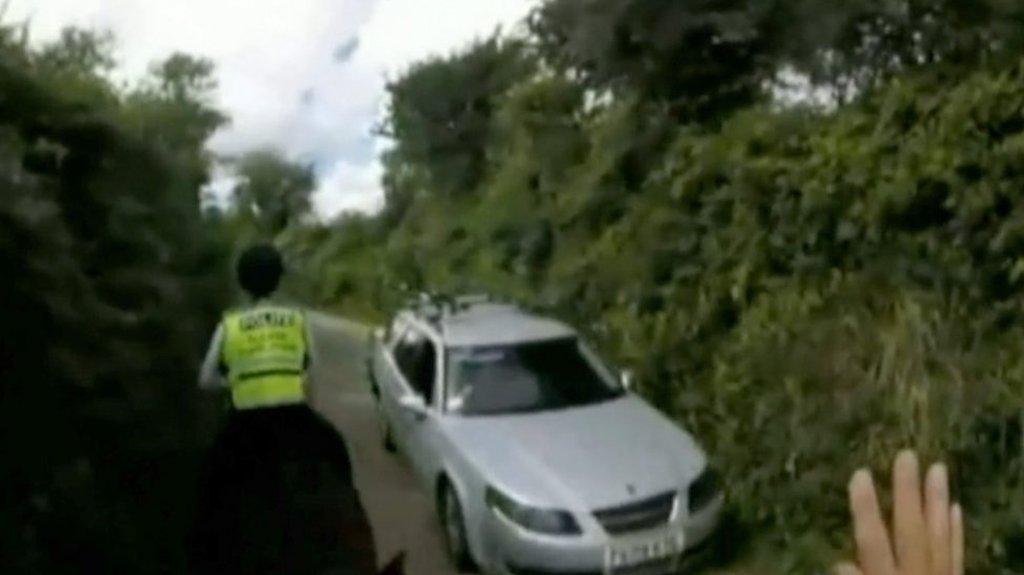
265	352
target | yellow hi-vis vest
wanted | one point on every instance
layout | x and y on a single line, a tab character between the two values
264	350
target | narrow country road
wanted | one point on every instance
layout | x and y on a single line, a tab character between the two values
402	516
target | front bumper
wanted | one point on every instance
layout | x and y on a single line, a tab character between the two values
515	551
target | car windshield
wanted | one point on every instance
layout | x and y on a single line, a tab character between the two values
525	377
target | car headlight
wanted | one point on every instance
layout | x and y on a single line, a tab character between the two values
703	489
547	521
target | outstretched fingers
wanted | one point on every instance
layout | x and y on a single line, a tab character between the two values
956	528
937	513
874	551
911	537
928	530
846	569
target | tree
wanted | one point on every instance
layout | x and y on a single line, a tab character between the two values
84	51
701	59
851	47
78	62
173	110
440	113
273	192
184	78
707	58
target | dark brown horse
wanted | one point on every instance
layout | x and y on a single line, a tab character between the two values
278	496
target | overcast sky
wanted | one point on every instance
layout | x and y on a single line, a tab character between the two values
305	76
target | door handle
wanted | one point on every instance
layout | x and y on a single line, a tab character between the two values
418	415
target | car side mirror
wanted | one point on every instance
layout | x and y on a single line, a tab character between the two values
413	403
627	378
458	401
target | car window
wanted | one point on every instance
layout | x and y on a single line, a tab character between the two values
532	376
416	359
404	349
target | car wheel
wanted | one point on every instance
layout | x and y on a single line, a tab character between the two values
386	437
455	530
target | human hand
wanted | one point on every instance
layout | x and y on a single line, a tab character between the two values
928	534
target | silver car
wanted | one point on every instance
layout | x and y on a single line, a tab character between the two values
539	458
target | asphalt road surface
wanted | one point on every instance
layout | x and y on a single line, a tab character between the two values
401	514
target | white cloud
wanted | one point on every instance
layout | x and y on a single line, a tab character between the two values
280	79
349	187
402	31
218	192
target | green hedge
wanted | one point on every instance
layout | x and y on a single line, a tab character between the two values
111	288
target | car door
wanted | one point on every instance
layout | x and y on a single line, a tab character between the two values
416	367
386	384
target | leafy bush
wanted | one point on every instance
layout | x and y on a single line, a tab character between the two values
110	291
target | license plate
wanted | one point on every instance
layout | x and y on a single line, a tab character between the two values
623	556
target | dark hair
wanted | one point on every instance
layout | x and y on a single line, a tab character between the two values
260	269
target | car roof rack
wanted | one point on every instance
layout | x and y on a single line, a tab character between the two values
433	306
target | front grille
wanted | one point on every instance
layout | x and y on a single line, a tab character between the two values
646	514
515	570
665	566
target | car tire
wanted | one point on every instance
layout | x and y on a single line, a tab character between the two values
454	527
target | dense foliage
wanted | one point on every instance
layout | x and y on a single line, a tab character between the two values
806	289
272	192
111	286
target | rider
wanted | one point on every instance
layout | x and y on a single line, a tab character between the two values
262	355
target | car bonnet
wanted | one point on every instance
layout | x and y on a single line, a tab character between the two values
581	458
